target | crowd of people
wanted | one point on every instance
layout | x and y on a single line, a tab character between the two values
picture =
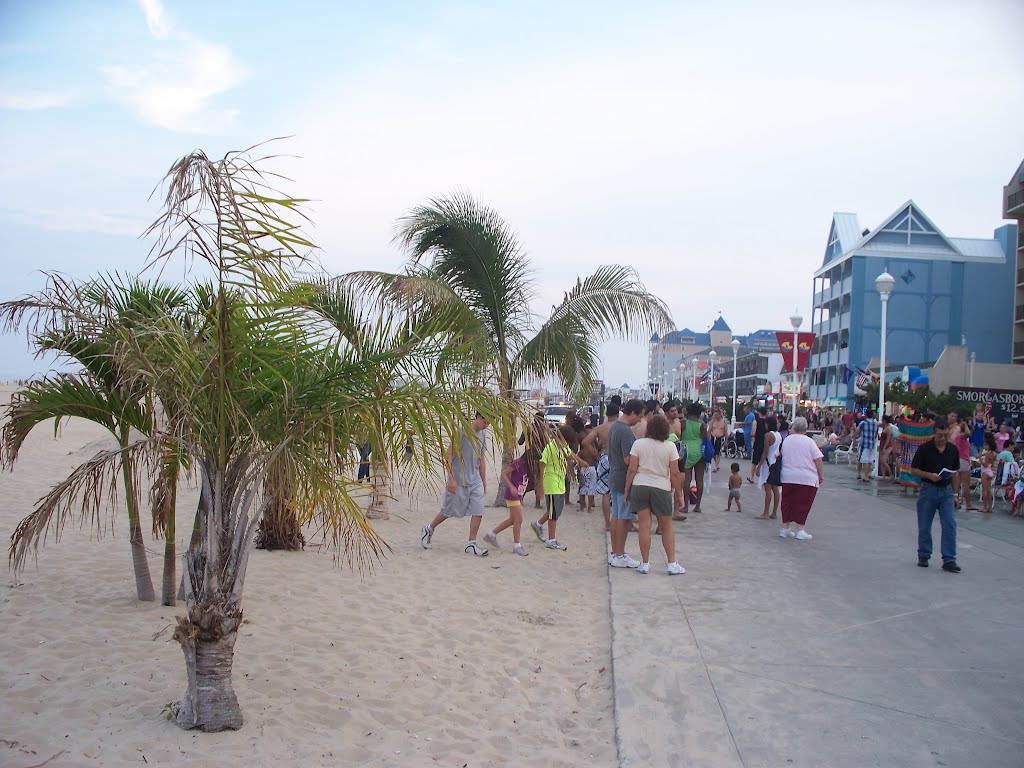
650	461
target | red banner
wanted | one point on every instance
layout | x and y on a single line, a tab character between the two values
803	351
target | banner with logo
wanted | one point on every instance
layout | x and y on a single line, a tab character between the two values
803	350
1004	403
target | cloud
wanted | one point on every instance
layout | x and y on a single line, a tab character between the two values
177	88
31	101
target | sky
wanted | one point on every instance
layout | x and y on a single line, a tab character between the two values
705	144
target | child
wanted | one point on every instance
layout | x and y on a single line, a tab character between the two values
514	479
988	472
735	483
554	464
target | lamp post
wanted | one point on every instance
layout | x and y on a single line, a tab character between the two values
884	284
796	320
711	383
735	352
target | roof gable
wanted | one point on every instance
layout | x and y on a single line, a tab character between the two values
720	325
842	235
908	228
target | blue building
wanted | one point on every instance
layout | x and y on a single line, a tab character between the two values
948	290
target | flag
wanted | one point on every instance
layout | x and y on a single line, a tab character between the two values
847	374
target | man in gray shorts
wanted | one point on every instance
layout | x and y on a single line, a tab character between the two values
466	486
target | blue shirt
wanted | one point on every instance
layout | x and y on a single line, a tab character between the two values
748	425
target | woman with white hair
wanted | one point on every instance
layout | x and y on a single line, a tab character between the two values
801	475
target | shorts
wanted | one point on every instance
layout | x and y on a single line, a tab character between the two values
718	445
467	500
868	455
620	509
734	493
513	503
588	481
601	476
657	500
554	503
965	465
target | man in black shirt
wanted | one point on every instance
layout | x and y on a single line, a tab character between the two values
936	463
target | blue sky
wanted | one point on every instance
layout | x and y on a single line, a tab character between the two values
704	143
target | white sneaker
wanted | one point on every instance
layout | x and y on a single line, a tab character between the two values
537	530
643	568
473	548
802	536
425	535
675	569
617	561
518	550
785	533
491	539
553	544
630	562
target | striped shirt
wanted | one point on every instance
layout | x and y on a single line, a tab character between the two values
868	434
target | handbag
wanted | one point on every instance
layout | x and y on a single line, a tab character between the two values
708	449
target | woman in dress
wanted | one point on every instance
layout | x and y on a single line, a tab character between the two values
801	475
769	482
694	432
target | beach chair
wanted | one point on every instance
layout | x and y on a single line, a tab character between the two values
844	452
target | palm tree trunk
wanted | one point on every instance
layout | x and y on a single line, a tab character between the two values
207	636
279	528
168	592
140	562
192	544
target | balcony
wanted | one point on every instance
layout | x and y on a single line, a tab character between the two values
1014	203
1020	277
1020	314
1018	350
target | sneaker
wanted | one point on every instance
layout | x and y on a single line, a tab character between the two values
802	536
553	544
675	569
951	566
491	539
538	531
643	568
618	561
425	535
518	550
922	562
630	562
785	533
475	549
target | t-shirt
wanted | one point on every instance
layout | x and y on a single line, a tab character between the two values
518	479
847	420
1001	440
798	455
929	459
963	446
748	425
693	442
555	459
466	461
978	433
1004	456
868	434
654	458
620	441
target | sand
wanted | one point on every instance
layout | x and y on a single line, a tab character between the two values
437	658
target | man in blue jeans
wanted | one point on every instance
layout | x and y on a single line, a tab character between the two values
936	463
748	431
620	441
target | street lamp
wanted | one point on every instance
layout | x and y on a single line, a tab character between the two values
711	385
884	284
735	351
796	320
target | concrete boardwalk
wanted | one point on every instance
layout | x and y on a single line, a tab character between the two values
834	652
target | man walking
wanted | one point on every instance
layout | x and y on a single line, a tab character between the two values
620	442
936	463
867	443
748	431
466	472
597	441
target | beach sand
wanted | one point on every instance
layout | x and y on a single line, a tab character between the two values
436	658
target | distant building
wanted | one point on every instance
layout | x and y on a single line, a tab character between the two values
947	290
677	360
1013	208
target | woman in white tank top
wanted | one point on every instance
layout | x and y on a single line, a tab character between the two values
772	490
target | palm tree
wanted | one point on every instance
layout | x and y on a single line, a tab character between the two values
262	407
469	248
82	323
